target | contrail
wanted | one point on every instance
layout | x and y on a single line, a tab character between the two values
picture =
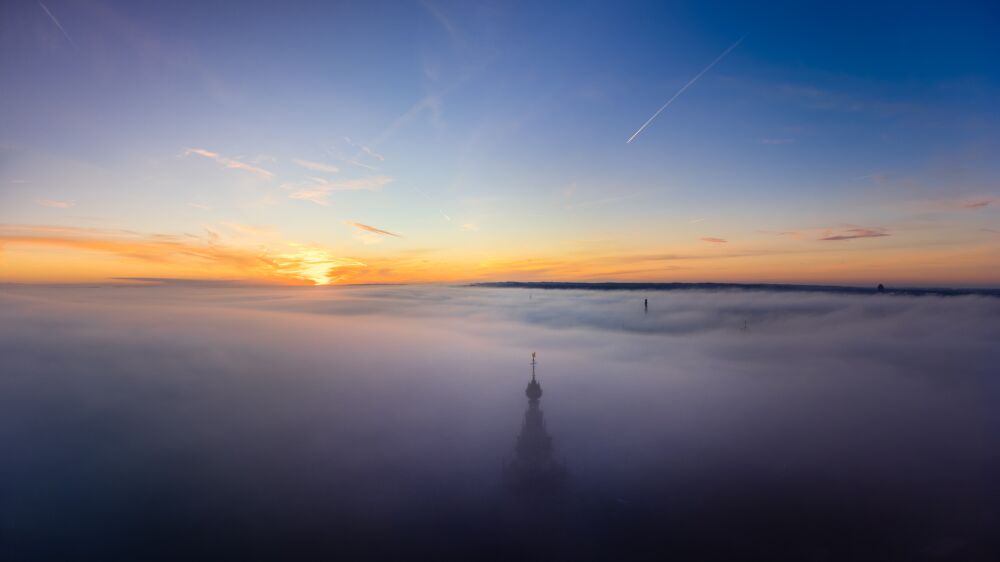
59	25
686	86
433	202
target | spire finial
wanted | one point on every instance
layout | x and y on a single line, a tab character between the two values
533	365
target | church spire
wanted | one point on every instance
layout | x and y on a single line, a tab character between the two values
534	390
533	469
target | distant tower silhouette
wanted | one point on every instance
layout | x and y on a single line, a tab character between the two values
881	288
533	470
645	304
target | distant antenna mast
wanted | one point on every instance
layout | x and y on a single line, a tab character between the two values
533	365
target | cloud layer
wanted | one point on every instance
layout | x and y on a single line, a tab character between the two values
334	414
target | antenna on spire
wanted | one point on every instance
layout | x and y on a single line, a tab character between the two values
533	365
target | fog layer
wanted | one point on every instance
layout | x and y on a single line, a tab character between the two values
145	422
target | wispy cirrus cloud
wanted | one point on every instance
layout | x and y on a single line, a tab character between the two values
207	256
814	97
361	164
317	166
877	178
364	150
977	204
432	102
55	203
249	229
784	233
200	206
317	190
367	150
433	202
854	233
125	243
714	240
958	204
229	162
609	200
359	155
439	15
317	196
372	229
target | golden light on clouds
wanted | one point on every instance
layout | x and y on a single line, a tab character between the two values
313	263
32	253
41	253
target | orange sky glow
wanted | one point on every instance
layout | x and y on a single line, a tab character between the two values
69	255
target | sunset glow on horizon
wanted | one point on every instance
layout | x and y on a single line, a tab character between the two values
433	142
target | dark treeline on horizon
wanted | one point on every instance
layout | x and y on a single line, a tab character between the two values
773	287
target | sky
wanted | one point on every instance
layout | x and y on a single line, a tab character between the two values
372	142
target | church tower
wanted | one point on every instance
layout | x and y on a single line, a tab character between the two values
533	470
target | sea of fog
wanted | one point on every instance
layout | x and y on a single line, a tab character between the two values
190	422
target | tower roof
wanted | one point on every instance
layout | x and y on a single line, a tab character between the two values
534	390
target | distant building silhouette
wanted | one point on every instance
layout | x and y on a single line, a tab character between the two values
881	288
533	470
